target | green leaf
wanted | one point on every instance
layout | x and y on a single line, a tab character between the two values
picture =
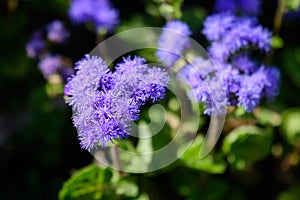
292	4
167	10
247	144
290	128
127	188
88	183
213	163
292	193
291	60
267	117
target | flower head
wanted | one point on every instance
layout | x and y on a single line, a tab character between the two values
36	45
105	102
100	12
56	32
230	35
207	85
251	7
50	64
173	40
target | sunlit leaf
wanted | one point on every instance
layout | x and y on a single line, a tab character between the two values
291	125
247	144
292	4
88	183
267	117
213	163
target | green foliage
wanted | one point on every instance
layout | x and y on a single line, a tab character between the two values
267	117
94	183
277	42
247	144
168	9
291	59
212	163
292	4
290	128
88	183
291	194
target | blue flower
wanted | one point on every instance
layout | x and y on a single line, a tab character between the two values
238	6
251	91
273	77
243	63
207	85
216	26
230	35
50	65
100	12
36	45
106	102
172	41
56	32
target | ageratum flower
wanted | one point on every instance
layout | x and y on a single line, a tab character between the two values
230	34
55	64
100	12
171	43
56	32
245	82
50	64
105	102
36	45
206	85
238	6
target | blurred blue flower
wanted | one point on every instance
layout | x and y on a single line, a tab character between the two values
251	91
106	102
36	45
251	7
273	77
100	12
230	34
50	64
206	85
56	32
172	41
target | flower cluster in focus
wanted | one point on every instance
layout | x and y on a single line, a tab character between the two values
106	102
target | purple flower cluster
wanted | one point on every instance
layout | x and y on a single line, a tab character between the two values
171	43
55	64
100	12
106	102
231	46
36	45
206	86
251	7
56	32
50	64
229	34
244	80
37	48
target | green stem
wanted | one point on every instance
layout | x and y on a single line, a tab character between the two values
276	27
116	159
278	16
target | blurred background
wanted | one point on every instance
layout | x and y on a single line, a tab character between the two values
39	149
